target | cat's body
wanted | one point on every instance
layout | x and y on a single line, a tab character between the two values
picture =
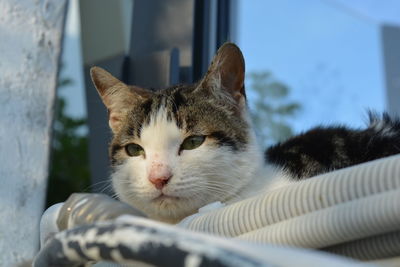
324	149
178	149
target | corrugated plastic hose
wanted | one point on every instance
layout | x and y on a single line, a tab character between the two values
131	240
334	225
370	248
315	194
353	212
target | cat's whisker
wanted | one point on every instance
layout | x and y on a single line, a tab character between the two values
199	180
209	189
96	184
217	184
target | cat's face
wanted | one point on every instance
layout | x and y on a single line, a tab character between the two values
176	150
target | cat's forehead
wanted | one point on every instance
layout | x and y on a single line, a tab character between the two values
148	111
171	101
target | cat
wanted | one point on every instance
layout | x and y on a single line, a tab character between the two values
180	148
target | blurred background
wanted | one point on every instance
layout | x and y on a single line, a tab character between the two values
308	62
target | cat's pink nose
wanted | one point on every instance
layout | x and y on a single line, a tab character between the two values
160	181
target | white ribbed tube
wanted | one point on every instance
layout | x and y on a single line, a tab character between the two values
314	194
376	247
341	223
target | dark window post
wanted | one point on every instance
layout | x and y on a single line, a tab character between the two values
214	24
391	60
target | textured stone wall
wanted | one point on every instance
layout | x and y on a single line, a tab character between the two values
30	44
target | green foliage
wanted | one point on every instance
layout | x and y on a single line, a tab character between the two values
270	107
69	170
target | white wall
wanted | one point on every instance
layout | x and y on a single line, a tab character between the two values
30	38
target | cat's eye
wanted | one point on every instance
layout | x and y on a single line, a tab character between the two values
192	142
134	150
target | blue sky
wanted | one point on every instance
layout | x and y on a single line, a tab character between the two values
327	51
330	59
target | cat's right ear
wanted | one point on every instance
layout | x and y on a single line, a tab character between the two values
116	95
225	76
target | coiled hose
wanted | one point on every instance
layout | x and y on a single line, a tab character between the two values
132	240
324	211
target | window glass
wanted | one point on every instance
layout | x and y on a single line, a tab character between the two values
328	58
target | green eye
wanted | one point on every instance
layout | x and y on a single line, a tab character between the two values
134	150
192	142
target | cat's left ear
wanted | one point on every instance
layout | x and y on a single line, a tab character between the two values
116	96
226	74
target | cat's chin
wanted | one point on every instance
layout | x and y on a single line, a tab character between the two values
165	198
169	209
160	206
